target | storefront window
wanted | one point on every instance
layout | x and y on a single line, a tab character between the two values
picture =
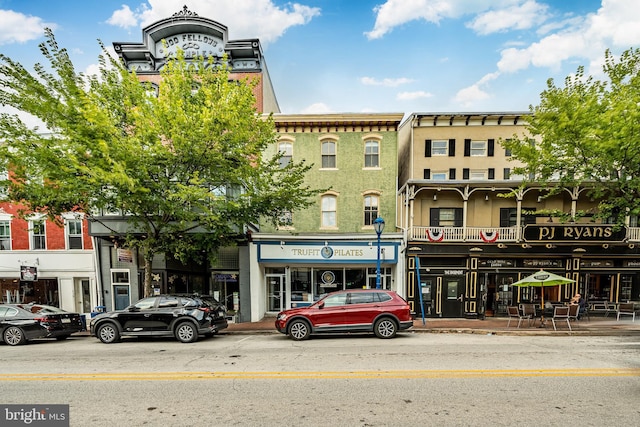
328	280
301	285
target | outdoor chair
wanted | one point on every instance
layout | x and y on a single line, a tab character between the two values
529	311
574	312
514	313
560	314
627	309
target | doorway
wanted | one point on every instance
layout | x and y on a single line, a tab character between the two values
453	297
276	292
121	298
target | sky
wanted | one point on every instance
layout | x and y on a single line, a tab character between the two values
359	56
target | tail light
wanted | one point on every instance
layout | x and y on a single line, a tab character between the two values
205	309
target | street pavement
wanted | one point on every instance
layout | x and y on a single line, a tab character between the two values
491	325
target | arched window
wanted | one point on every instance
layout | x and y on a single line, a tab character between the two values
328	154
286	148
329	207
371	154
371	203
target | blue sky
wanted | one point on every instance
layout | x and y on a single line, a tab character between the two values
351	56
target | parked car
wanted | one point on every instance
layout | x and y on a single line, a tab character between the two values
356	310
218	310
185	318
23	322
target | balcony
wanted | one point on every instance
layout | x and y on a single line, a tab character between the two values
483	234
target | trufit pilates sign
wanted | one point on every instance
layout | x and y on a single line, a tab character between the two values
574	233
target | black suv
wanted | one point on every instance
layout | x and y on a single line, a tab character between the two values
185	318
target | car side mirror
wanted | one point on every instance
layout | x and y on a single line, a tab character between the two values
321	305
133	308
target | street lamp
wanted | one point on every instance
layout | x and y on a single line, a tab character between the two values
378	225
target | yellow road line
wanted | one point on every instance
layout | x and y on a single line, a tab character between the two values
398	374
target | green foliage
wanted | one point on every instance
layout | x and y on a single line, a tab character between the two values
587	133
184	159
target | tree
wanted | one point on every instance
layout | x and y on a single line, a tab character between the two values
587	133
184	160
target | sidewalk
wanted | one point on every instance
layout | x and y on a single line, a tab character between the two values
490	326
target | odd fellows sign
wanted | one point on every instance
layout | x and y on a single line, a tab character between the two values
574	233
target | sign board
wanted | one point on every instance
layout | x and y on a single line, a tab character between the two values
28	274
574	233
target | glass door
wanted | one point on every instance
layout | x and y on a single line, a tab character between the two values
276	292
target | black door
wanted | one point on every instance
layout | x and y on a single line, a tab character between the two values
453	297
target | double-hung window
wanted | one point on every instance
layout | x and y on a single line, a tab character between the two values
328	154
74	233
38	235
286	149
5	235
478	148
329	206
439	148
370	209
371	154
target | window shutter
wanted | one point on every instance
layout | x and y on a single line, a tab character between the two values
506	173
426	174
452	173
457	217
427	148
491	145
492	173
452	147
465	173
467	147
504	217
434	217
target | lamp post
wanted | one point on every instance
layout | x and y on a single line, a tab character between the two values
378	225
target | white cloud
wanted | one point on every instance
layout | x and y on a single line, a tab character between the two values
518	16
474	93
616	25
19	28
410	96
124	18
371	81
470	95
260	19
317	108
394	13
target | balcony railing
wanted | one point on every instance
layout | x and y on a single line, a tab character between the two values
483	234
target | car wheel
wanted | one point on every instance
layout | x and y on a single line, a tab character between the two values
186	332
385	328
13	335
108	333
299	330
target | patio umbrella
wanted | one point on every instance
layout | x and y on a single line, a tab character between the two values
541	279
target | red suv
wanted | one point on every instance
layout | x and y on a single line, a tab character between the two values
355	310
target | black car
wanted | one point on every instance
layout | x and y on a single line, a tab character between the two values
20	323
185	318
218	310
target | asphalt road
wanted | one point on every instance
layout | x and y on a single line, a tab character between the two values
269	380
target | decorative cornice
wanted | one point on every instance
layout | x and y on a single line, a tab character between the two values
184	13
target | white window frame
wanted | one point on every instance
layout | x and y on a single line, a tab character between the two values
369	154
68	220
478	148
32	235
5	218
478	175
440	176
329	211
286	148
439	148
332	154
372	208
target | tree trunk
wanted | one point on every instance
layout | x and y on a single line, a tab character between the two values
148	260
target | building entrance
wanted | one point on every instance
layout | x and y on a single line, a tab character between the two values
276	292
